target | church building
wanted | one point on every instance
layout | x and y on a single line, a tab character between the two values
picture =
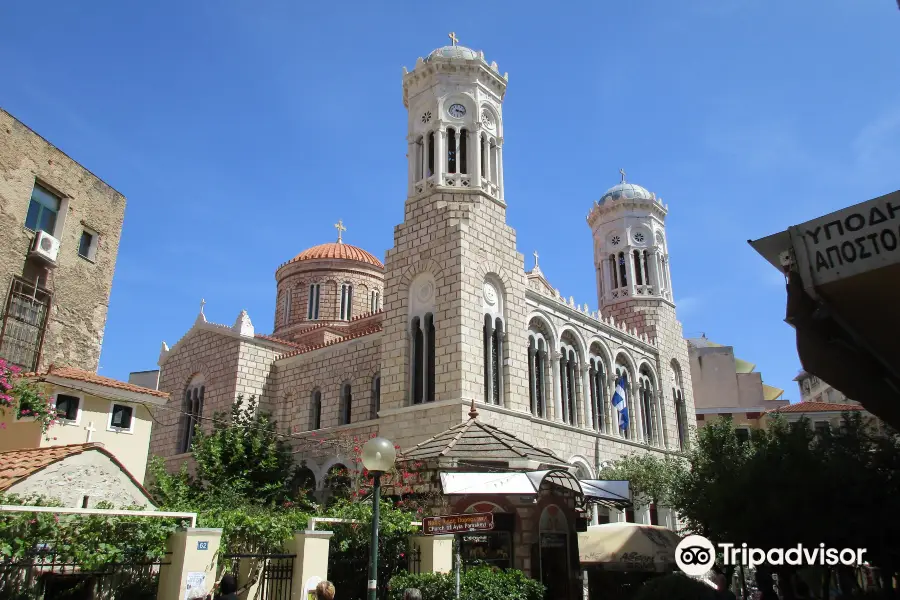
401	345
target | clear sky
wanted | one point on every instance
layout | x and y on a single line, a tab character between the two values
241	131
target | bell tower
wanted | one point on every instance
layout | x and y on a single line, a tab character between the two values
454	282
455	127
634	283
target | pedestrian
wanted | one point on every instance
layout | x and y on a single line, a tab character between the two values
412	594
227	588
325	591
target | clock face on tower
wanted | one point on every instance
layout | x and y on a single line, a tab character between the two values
457	110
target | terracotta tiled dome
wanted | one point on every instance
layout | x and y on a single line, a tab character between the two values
338	250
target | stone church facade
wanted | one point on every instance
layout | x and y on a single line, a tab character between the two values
402	347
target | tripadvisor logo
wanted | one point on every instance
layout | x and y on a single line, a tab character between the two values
695	555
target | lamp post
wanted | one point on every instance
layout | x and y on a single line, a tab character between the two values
378	456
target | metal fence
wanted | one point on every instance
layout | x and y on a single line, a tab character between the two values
414	560
275	573
45	575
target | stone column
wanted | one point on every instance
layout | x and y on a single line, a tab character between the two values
643	269
654	271
660	404
557	386
411	161
440	155
533	376
192	561
588	412
435	552
487	159
476	153
311	561
500	169
595	515
546	394
638	416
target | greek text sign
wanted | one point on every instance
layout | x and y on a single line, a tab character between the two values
855	240
457	523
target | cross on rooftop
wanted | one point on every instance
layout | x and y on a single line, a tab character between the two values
535	259
340	229
622	173
202	304
452	36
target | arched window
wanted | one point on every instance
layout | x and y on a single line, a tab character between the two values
623	280
312	309
315	410
346	403
613	272
680	409
623	378
568	371
646	263
597	375
451	150
539	367
638	271
192	412
649	409
286	307
346	301
422	334
484	157
492	341
376	395
430	154
374	299
463	151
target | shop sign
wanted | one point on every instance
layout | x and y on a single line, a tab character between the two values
457	523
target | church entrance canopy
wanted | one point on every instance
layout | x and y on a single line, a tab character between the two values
843	290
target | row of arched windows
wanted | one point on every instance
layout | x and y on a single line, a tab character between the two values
345	405
647	268
457	156
582	396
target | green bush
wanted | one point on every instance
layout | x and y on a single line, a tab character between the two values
675	587
479	583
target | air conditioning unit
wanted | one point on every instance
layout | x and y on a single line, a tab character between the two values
45	247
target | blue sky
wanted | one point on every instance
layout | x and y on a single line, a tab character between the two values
241	131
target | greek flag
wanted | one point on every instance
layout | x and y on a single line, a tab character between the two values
618	402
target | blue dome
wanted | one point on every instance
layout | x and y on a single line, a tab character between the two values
628	191
460	52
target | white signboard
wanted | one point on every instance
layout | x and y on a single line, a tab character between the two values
196	584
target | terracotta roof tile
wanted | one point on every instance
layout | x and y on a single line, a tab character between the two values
359	334
337	250
88	377
809	407
16	465
272	338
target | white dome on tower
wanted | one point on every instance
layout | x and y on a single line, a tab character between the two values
628	191
452	52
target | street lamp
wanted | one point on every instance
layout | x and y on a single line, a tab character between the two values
378	456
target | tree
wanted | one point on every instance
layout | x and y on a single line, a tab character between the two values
789	486
651	477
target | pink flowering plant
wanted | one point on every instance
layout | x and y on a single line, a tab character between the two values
24	398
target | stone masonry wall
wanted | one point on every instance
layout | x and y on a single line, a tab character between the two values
355	361
80	287
90	474
330	275
215	356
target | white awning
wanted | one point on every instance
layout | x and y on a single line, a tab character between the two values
487	483
611	493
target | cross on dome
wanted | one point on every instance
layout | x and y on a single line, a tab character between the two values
340	229
452	36
622	173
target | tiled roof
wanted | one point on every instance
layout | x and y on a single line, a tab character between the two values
271	338
353	336
809	407
16	465
337	250
88	377
479	442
